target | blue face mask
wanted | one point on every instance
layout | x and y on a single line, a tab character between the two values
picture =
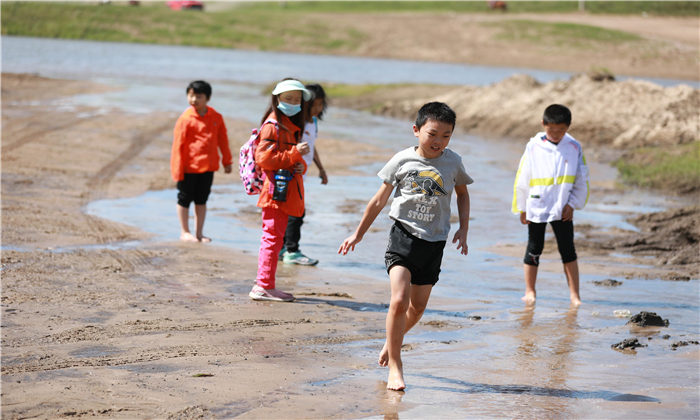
289	109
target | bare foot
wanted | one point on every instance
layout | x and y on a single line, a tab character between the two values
384	356
529	297
395	381
188	237
204	239
575	301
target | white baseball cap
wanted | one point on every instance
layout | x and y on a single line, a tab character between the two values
287	85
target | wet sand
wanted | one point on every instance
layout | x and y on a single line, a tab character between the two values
99	322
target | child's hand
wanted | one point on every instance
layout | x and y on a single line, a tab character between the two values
303	148
299	168
228	169
324	177
523	218
461	236
349	244
567	214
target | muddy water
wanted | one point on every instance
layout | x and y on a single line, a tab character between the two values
485	355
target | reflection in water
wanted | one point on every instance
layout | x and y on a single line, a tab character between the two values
390	401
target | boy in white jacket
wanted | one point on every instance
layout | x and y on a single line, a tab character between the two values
551	182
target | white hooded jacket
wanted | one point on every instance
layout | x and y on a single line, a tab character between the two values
549	177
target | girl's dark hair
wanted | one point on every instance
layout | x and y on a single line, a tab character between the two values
436	111
317	92
557	114
200	86
298	119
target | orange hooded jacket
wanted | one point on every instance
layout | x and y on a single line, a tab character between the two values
196	143
273	154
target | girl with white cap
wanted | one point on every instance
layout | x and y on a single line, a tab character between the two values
280	148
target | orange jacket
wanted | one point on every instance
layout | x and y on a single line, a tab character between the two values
273	154
196	141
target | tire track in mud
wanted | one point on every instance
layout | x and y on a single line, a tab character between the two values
34	135
135	356
138	327
97	185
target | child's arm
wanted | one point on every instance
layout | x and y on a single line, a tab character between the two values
227	159
374	207
269	157
319	165
579	193
177	163
521	187
463	211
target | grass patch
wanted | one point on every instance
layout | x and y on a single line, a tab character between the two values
675	169
560	34
263	28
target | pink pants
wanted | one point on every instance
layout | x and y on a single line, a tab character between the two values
274	225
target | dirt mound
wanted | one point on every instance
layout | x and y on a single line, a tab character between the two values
620	114
673	236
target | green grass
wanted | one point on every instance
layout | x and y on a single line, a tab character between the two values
269	26
560	34
675	169
255	27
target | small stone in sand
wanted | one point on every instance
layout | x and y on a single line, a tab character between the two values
648	319
628	343
607	283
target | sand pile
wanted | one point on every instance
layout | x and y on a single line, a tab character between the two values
622	114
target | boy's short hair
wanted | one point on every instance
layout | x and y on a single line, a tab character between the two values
436	111
556	114
200	86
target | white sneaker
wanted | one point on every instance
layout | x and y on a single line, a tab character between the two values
258	293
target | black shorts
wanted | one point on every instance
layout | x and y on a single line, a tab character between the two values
563	231
422	258
195	187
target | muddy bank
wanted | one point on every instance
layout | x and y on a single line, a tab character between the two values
672	238
606	113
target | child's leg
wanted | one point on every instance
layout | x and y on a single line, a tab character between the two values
200	212
183	215
204	183
535	245
571	271
418	302
292	235
400	279
564	232
274	223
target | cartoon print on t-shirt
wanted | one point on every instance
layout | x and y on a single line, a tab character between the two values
428	182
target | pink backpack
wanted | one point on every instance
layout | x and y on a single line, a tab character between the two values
252	176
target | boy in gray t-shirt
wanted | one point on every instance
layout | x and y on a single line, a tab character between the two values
425	177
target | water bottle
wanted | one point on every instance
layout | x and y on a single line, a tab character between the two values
282	178
622	313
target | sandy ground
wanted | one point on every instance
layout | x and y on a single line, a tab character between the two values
58	316
668	46
72	347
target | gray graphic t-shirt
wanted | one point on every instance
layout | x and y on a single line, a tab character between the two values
422	199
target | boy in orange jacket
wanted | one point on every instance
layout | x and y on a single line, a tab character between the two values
199	134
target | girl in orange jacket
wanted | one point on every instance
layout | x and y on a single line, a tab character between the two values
280	148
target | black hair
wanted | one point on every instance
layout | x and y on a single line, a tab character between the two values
436	111
298	119
317	92
556	114
200	86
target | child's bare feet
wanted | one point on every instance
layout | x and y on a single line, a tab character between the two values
395	381
204	239
575	301
188	237
384	356
530	297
